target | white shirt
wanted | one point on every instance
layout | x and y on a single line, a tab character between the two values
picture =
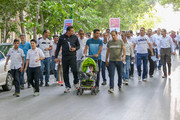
129	49
157	37
103	52
152	40
33	55
43	44
177	38
79	53
131	39
166	42
142	44
16	57
54	46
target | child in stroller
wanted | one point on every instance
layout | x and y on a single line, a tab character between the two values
88	73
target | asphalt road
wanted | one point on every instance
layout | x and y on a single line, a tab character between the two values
156	99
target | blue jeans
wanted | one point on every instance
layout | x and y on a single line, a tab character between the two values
22	75
46	63
112	66
126	68
53	63
144	58
103	70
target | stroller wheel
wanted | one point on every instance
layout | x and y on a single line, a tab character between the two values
95	92
92	91
81	91
77	91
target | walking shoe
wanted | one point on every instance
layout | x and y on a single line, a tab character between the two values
139	78
104	83
16	94
119	87
151	76
36	94
41	84
46	85
76	85
164	76
22	87
111	90
29	86
145	79
67	90
126	83
34	90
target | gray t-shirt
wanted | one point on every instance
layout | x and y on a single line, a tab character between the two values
142	44
115	50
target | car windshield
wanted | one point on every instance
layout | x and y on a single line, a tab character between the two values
5	48
1	56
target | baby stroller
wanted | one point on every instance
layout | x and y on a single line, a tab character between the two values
87	75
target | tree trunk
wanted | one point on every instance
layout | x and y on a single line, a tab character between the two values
42	22
36	20
21	21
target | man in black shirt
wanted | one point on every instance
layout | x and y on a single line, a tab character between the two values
70	44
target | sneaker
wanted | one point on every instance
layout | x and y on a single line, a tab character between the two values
139	78
22	87
119	87
29	86
126	83
67	90
36	94
47	84
164	76
76	85
151	76
16	94
41	84
104	83
145	79
34	90
111	90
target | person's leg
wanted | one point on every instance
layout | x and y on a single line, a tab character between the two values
27	74
123	71
73	65
145	61
13	75
119	72
151	64
22	79
139	64
179	48
127	68
47	69
53	63
98	74
103	70
17	82
163	60
31	77
66	64
37	71
168	60
111	74
42	70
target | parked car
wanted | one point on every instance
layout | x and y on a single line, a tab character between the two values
6	79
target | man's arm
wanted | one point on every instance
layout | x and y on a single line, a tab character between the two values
85	50
150	46
124	53
59	44
77	44
6	63
99	52
23	60
107	56
134	45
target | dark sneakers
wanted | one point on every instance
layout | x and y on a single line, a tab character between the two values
47	84
41	84
16	94
104	83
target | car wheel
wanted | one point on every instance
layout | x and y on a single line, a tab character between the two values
9	83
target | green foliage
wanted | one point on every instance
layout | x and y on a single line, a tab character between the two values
87	14
175	3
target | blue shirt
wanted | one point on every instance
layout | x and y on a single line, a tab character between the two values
94	47
25	48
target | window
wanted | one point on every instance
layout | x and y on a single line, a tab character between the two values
1	56
5	48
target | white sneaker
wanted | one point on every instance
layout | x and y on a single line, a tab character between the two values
111	90
145	79
139	78
76	85
124	82
36	93
67	90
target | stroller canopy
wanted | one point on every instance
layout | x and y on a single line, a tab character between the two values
86	63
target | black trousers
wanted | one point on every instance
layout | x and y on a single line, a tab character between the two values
69	61
34	75
131	70
16	76
151	63
98	74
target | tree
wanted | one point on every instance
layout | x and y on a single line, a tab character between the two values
175	3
